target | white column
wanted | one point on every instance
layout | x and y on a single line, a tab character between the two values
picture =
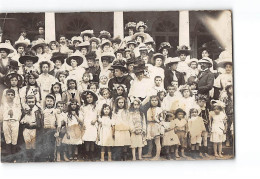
50	26
184	28
119	24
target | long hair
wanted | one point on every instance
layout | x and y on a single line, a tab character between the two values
102	110
116	103
131	109
124	94
73	100
159	102
84	98
52	91
71	80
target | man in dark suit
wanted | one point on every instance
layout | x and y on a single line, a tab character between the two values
171	74
205	77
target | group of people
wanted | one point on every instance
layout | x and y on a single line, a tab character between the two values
68	99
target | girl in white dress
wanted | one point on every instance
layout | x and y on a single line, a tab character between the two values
56	91
138	128
104	98
106	130
218	127
88	113
122	126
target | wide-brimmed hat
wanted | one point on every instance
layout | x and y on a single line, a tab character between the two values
51	96
23	43
76	56
89	33
58	56
223	62
94	39
183	49
131	42
76	38
139	68
38	43
142	47
85	44
164	45
109	56
53	42
130	25
141	24
193	60
149	40
13	64
10	76
30	55
91	55
119	64
205	60
104	42
158	55
171	60
85	93
179	110
141	34
120	50
104	34
116	40
7	47
131	60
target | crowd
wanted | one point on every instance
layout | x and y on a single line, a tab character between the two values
68	99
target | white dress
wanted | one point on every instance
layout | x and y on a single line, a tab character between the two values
218	126
106	132
88	115
170	138
122	128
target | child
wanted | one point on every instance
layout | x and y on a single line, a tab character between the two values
56	91
107	128
229	109
218	127
28	61
187	101
195	128
93	86
193	70
181	128
61	76
138	128
61	131
83	84
105	98
204	113
122	126
103	81
73	136
154	126
170	139
88	113
32	120
49	125
71	92
10	116
170	101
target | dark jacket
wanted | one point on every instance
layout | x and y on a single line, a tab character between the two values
169	78
205	82
124	80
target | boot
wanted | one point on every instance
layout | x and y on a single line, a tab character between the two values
109	156
33	155
102	157
177	154
193	154
13	152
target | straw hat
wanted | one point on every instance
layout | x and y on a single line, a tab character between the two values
58	56
205	60
164	45
76	38
171	60
9	76
183	49
87	33
193	60
38	43
139	34
223	62
104	34
85	44
94	39
130	25
6	46
76	56
104	42
149	40
109	56
141	24
23	43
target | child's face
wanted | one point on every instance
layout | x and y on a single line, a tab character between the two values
194	113
10	97
106	111
161	96
193	86
45	68
186	93
121	103
58	63
72	85
175	84
180	115
28	63
86	78
119	90
158	82
170	118
13	82
105	94
154	102
49	102
103	80
139	39
89	98
205	54
90	63
216	110
193	65
106	48
228	68
171	91
158	62
31	102
136	105
165	52
56	88
183	57
73	106
32	80
60	107
201	103
93	88
149	46
62	77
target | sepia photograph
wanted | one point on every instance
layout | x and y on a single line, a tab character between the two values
116	86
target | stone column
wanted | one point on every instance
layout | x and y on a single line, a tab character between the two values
119	24
184	28
50	31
